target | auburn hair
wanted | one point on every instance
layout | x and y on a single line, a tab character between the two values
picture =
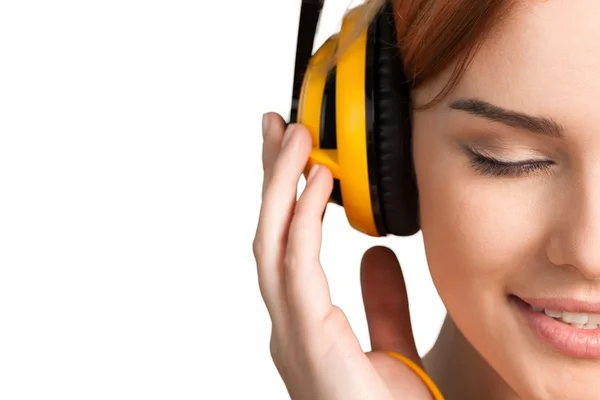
432	34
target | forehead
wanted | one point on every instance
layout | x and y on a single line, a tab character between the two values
543	58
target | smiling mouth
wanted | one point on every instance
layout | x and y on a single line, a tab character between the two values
571	327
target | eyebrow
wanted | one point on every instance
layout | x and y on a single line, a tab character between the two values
541	125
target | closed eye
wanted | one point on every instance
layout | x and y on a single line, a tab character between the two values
486	165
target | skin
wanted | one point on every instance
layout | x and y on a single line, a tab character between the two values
534	234
312	344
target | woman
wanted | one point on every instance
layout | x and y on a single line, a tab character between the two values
505	147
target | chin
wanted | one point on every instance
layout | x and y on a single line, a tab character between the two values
539	356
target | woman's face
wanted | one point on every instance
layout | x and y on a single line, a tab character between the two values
524	230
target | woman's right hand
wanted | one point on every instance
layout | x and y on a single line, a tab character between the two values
312	344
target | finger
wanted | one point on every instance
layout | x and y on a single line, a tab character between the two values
275	216
386	303
307	287
273	128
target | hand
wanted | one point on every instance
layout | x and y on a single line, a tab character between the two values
312	344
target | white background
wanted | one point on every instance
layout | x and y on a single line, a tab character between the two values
130	183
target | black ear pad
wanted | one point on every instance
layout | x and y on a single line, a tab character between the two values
398	193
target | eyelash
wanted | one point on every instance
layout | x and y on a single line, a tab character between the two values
490	166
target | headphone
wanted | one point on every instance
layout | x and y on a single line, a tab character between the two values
358	115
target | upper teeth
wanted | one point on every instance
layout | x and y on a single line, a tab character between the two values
581	320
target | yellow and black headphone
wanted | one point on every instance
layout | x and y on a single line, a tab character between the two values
358	114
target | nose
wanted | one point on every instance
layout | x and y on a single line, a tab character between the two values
576	239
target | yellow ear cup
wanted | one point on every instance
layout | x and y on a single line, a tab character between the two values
352	127
311	103
349	162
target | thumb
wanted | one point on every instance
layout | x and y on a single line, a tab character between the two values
386	303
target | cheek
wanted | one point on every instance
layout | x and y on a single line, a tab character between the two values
479	231
485	238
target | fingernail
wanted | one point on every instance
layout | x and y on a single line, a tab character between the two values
265	123
312	173
287	136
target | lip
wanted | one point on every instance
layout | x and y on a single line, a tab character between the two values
568	340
